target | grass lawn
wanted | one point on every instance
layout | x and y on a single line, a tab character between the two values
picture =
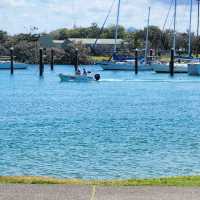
99	58
190	181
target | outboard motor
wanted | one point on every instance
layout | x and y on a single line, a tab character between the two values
97	77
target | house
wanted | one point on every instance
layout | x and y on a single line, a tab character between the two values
46	41
103	46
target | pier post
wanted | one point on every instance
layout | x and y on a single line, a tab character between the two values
151	54
76	61
52	59
171	65
136	61
11	61
41	64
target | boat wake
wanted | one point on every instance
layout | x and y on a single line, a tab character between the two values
152	80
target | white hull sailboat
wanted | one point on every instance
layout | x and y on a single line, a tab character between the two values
184	66
164	68
194	69
5	65
125	66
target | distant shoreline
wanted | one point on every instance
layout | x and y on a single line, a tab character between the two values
181	181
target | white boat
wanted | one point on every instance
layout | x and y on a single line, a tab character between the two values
194	69
126	66
181	67
78	78
6	65
164	67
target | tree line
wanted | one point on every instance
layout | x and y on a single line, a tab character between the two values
26	45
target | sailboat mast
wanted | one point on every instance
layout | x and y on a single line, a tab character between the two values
117	26
174	40
197	49
190	38
147	36
198	1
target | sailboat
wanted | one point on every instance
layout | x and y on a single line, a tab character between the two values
125	64
194	68
178	67
5	65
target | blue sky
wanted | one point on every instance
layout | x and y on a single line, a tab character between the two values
19	15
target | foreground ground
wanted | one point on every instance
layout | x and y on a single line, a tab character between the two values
41	188
66	192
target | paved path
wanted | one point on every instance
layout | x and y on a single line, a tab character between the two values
61	192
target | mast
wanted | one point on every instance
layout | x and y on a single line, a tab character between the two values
190	36
198	1
74	16
117	26
174	40
147	36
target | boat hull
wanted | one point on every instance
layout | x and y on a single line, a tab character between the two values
194	69
123	66
6	66
75	78
164	68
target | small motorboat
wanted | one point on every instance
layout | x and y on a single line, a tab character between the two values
79	78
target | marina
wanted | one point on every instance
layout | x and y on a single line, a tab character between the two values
102	102
124	126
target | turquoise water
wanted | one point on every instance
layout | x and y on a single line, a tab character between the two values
125	126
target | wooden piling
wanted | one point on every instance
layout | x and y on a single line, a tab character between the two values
136	61
171	65
11	61
52	59
41	64
151	54
76	61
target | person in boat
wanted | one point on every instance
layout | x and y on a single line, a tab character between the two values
84	72
78	72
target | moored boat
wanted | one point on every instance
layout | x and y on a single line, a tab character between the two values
127	63
194	69
5	65
164	67
125	66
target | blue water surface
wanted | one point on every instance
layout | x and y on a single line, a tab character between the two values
124	126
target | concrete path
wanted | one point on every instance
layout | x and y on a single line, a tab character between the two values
61	192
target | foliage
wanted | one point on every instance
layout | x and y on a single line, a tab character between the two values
25	51
88	32
26	45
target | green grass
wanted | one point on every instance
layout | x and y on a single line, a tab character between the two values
99	58
190	181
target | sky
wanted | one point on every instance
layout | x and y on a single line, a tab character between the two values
18	16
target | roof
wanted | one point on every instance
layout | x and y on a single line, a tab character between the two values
58	41
91	41
47	41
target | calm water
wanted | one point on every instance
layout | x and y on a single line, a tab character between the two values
125	126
